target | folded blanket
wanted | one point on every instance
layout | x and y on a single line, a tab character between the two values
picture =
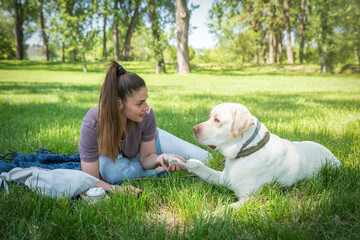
55	175
54	183
43	158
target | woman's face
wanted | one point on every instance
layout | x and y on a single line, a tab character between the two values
135	107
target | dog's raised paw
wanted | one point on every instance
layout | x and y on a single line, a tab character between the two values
168	159
193	163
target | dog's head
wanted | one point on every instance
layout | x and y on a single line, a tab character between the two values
227	123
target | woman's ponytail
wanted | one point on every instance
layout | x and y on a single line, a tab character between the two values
110	127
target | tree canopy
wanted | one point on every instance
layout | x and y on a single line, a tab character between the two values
325	32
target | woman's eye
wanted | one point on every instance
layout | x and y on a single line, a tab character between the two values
216	120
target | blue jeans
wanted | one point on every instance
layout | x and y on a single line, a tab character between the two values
125	169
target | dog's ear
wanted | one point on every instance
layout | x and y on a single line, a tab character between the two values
241	121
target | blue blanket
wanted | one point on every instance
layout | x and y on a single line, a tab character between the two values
43	158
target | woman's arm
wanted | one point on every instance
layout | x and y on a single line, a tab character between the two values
149	159
92	168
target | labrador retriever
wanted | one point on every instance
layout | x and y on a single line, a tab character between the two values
254	156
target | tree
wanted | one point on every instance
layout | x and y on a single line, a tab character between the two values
115	31
22	11
59	31
350	29
134	14
19	9
77	16
43	31
155	27
182	31
126	15
289	51
7	43
105	14
303	23
160	12
324	24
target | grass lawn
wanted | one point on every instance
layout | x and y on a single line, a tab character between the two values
43	104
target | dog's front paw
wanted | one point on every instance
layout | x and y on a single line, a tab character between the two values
168	159
193	164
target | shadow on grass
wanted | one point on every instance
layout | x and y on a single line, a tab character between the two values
46	88
93	67
149	68
28	126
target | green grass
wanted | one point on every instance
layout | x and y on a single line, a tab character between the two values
42	104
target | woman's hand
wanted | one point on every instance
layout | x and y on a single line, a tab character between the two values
113	188
126	189
171	166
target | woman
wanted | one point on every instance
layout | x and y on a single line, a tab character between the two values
119	139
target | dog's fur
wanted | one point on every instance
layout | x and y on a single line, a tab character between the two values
229	127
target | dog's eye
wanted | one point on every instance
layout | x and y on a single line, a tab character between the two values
216	120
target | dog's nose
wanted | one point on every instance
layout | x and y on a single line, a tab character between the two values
196	128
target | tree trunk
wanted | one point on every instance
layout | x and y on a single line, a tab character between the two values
263	49
356	53
129	33
289	51
155	27
75	55
83	58
182	31
256	55
279	46
275	46
19	34
324	42
104	35
160	66
302	31
322	64
115	33
271	46
272	37
63	51
257	45
43	34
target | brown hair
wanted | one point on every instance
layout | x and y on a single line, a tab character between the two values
118	85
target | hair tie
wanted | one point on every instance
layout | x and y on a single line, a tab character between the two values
120	71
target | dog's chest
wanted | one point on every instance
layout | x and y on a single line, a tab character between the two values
230	170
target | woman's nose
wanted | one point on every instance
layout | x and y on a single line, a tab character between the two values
146	107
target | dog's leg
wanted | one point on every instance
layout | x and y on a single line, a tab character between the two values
205	173
198	168
240	203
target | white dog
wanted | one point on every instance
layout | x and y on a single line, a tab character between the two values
253	155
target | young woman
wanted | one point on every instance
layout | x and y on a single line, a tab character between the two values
119	139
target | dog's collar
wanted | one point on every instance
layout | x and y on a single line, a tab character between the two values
251	150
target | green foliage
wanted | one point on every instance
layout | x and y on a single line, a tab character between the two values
332	28
7	41
173	53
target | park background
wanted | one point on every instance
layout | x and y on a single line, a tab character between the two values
294	64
